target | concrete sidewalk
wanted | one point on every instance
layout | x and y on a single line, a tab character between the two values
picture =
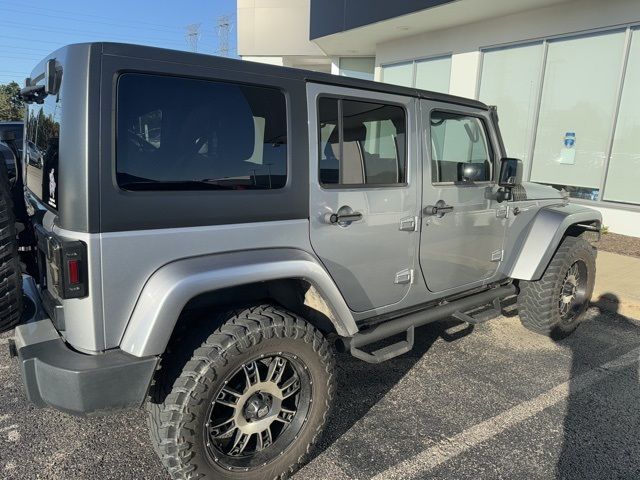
617	286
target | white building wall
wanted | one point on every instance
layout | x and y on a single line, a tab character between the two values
279	61
280	27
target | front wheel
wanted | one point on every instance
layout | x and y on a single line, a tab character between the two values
555	304
249	403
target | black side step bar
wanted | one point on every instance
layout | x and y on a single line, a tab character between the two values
481	317
409	322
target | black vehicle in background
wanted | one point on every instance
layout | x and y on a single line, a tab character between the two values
11	136
17	127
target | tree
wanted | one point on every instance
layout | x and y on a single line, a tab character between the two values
11	105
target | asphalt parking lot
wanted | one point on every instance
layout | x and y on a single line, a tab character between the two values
497	402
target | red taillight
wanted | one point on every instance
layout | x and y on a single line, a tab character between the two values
74	272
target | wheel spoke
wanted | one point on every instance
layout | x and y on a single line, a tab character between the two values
251	373
222	430
285	416
264	439
239	443
276	370
290	386
229	397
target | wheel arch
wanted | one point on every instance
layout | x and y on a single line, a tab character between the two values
172	287
547	230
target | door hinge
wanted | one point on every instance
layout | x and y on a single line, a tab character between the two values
497	256
404	276
409	224
502	212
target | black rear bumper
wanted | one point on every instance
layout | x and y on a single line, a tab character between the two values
58	376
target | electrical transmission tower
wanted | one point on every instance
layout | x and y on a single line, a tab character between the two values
193	35
224	29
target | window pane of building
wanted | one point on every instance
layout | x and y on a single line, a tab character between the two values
624	166
399	74
433	74
510	78
358	67
578	98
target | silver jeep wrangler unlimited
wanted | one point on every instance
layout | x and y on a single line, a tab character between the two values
202	233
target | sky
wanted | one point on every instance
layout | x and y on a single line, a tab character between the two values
31	29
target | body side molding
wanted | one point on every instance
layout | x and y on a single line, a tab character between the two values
544	236
170	288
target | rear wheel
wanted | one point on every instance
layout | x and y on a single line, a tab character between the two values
10	272
555	304
250	402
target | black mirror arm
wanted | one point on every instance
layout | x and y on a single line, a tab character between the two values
504	194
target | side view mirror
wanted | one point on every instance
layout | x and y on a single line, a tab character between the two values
510	172
52	74
510	177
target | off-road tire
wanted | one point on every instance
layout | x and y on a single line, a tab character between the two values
538	300
10	271
188	379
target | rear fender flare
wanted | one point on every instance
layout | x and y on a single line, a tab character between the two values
170	288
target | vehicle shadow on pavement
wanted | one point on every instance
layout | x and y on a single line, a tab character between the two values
600	430
361	385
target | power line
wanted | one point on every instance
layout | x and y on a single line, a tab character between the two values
56	13
67	31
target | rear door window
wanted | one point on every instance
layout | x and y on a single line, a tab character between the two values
361	143
186	134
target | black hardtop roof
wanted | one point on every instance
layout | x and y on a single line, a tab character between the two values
189	58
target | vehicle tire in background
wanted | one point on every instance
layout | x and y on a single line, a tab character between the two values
10	271
555	304
248	402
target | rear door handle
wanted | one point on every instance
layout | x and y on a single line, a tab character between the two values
342	218
438	210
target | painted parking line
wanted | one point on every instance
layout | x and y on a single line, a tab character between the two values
450	448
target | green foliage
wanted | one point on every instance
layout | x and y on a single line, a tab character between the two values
11	105
604	229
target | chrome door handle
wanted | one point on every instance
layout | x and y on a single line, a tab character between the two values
340	218
438	210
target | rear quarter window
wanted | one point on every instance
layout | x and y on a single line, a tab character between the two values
178	133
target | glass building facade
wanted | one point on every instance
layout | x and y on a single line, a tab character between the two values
570	108
429	74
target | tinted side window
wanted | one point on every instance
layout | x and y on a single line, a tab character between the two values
361	142
459	149
185	134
